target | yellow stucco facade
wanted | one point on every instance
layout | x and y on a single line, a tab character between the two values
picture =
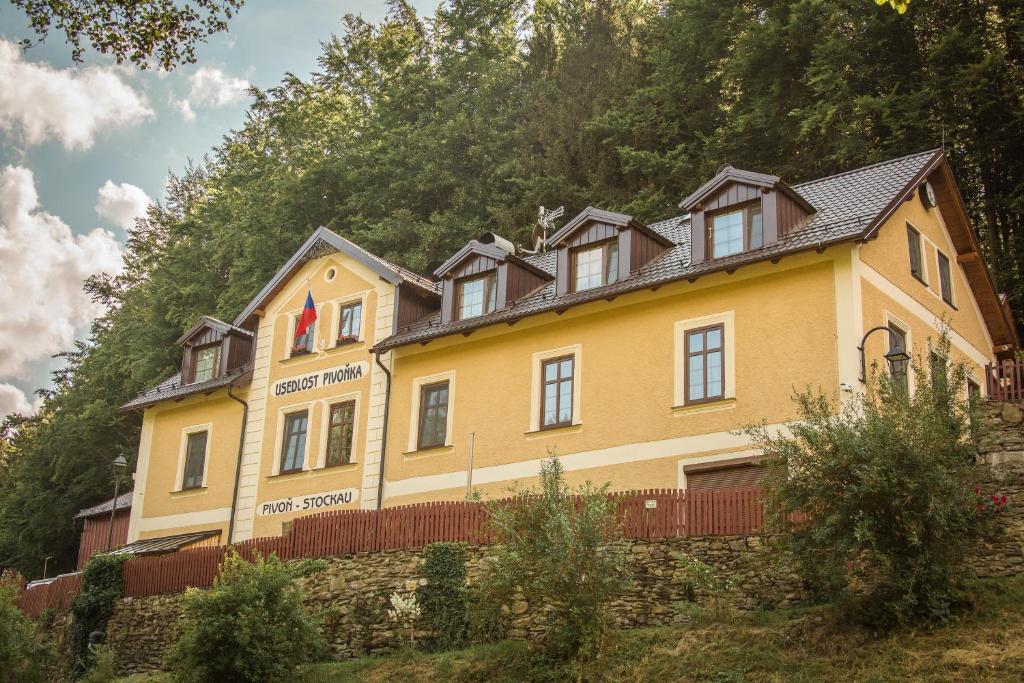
787	323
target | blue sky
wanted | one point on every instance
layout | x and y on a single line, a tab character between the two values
82	147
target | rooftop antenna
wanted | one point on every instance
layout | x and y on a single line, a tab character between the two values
540	232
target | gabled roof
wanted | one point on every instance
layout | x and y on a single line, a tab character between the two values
214	323
849	206
601	216
321	243
122	502
473	247
727	174
172	388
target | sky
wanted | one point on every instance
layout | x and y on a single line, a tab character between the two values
85	147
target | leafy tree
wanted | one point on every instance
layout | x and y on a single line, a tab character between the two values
876	499
22	655
560	549
250	626
142	32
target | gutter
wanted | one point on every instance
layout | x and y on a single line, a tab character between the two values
238	464
384	433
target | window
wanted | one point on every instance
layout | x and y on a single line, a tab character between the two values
736	231
293	451
596	266
898	344
476	296
914	244
195	461
704	371
556	392
973	389
433	430
303	344
944	279
207	360
351	323
339	433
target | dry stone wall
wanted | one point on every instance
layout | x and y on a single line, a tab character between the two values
354	590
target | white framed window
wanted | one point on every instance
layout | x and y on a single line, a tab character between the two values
555	388
349	319
899	334
292	440
945	277
595	266
736	231
710	374
207	362
476	295
193	457
432	409
339	430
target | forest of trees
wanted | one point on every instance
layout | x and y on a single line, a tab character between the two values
420	133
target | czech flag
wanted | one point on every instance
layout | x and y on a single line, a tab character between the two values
307	318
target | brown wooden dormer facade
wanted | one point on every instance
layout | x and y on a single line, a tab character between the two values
485	276
743	211
212	348
615	243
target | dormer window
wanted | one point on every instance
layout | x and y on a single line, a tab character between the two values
476	295
207	362
596	266
733	232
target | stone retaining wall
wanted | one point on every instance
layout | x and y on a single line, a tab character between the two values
354	590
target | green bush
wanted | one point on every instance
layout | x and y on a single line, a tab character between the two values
22	655
103	669
876	498
102	587
561	549
250	626
442	600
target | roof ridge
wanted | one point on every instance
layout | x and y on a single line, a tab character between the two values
930	152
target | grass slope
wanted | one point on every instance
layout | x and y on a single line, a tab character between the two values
792	646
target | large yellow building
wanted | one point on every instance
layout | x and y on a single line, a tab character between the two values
634	352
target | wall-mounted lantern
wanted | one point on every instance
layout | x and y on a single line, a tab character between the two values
897	357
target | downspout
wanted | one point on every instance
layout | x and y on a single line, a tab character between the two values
384	434
238	465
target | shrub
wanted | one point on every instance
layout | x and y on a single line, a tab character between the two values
882	491
102	587
404	613
103	669
708	580
560	547
442	600
250	626
22	655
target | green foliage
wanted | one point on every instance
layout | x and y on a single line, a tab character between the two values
102	587
250	626
885	489
420	133
140	32
22	655
561	549
708	580
443	600
104	668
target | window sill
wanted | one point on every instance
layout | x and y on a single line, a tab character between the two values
313	472
554	431
704	407
919	279
351	345
188	493
302	356
433	450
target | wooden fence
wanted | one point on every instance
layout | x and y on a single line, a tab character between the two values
1005	380
56	594
648	515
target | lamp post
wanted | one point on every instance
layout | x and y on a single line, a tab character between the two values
120	465
896	357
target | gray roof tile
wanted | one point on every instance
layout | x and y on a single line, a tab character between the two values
173	388
124	501
847	205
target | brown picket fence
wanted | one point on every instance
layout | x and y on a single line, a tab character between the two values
1005	380
55	594
646	514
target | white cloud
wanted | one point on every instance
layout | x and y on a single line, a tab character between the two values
42	305
71	105
211	87
13	400
121	203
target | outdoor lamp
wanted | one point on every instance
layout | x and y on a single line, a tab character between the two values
120	465
898	361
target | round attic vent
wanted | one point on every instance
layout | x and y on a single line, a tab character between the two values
329	275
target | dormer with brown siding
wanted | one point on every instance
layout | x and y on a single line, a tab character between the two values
485	276
740	211
600	247
211	349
